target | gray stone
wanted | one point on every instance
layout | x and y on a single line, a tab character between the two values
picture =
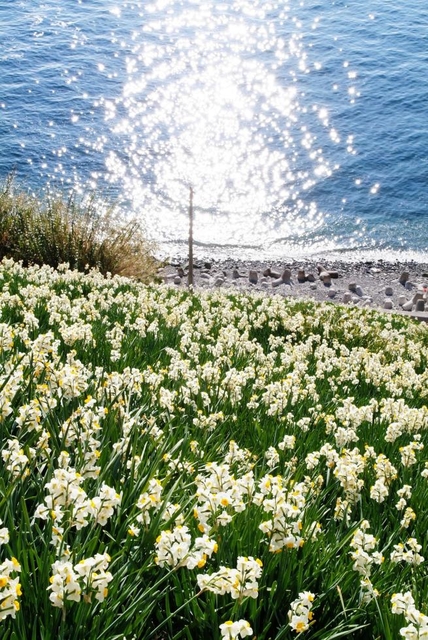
326	279
355	299
313	285
310	277
409	285
332	293
236	274
402	300
277	282
404	277
389	291
387	303
358	290
375	270
301	275
218	281
320	268
207	265
267	273
418	296
286	275
334	274
346	298
275	274
180	272
177	280
352	286
253	277
420	305
205	276
408	306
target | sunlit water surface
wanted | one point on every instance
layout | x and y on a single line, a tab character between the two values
301	127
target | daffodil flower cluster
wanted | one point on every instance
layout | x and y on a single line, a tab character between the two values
68	503
10	588
85	580
232	630
239	583
404	604
286	504
220	495
300	614
364	554
408	552
176	549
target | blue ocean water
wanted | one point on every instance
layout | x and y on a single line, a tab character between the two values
301	126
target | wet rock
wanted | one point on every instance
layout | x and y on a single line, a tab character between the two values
404	277
389	291
387	303
253	277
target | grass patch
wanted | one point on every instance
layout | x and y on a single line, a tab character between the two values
182	466
83	233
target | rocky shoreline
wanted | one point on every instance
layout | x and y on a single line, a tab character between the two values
390	286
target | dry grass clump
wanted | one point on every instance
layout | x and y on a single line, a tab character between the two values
84	233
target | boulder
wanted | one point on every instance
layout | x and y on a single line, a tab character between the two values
253	277
389	291
404	277
387	303
286	275
407	306
420	305
301	275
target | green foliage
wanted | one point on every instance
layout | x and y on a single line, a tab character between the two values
290	435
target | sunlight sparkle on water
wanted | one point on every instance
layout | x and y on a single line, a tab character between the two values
211	100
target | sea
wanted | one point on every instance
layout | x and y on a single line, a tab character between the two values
300	127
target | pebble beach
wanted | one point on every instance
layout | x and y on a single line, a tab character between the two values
395	287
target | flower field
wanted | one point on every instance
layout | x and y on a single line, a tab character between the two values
212	465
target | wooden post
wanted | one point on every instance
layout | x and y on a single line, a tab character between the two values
190	281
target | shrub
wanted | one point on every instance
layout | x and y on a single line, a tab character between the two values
85	233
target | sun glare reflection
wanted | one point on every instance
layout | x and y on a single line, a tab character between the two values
211	100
